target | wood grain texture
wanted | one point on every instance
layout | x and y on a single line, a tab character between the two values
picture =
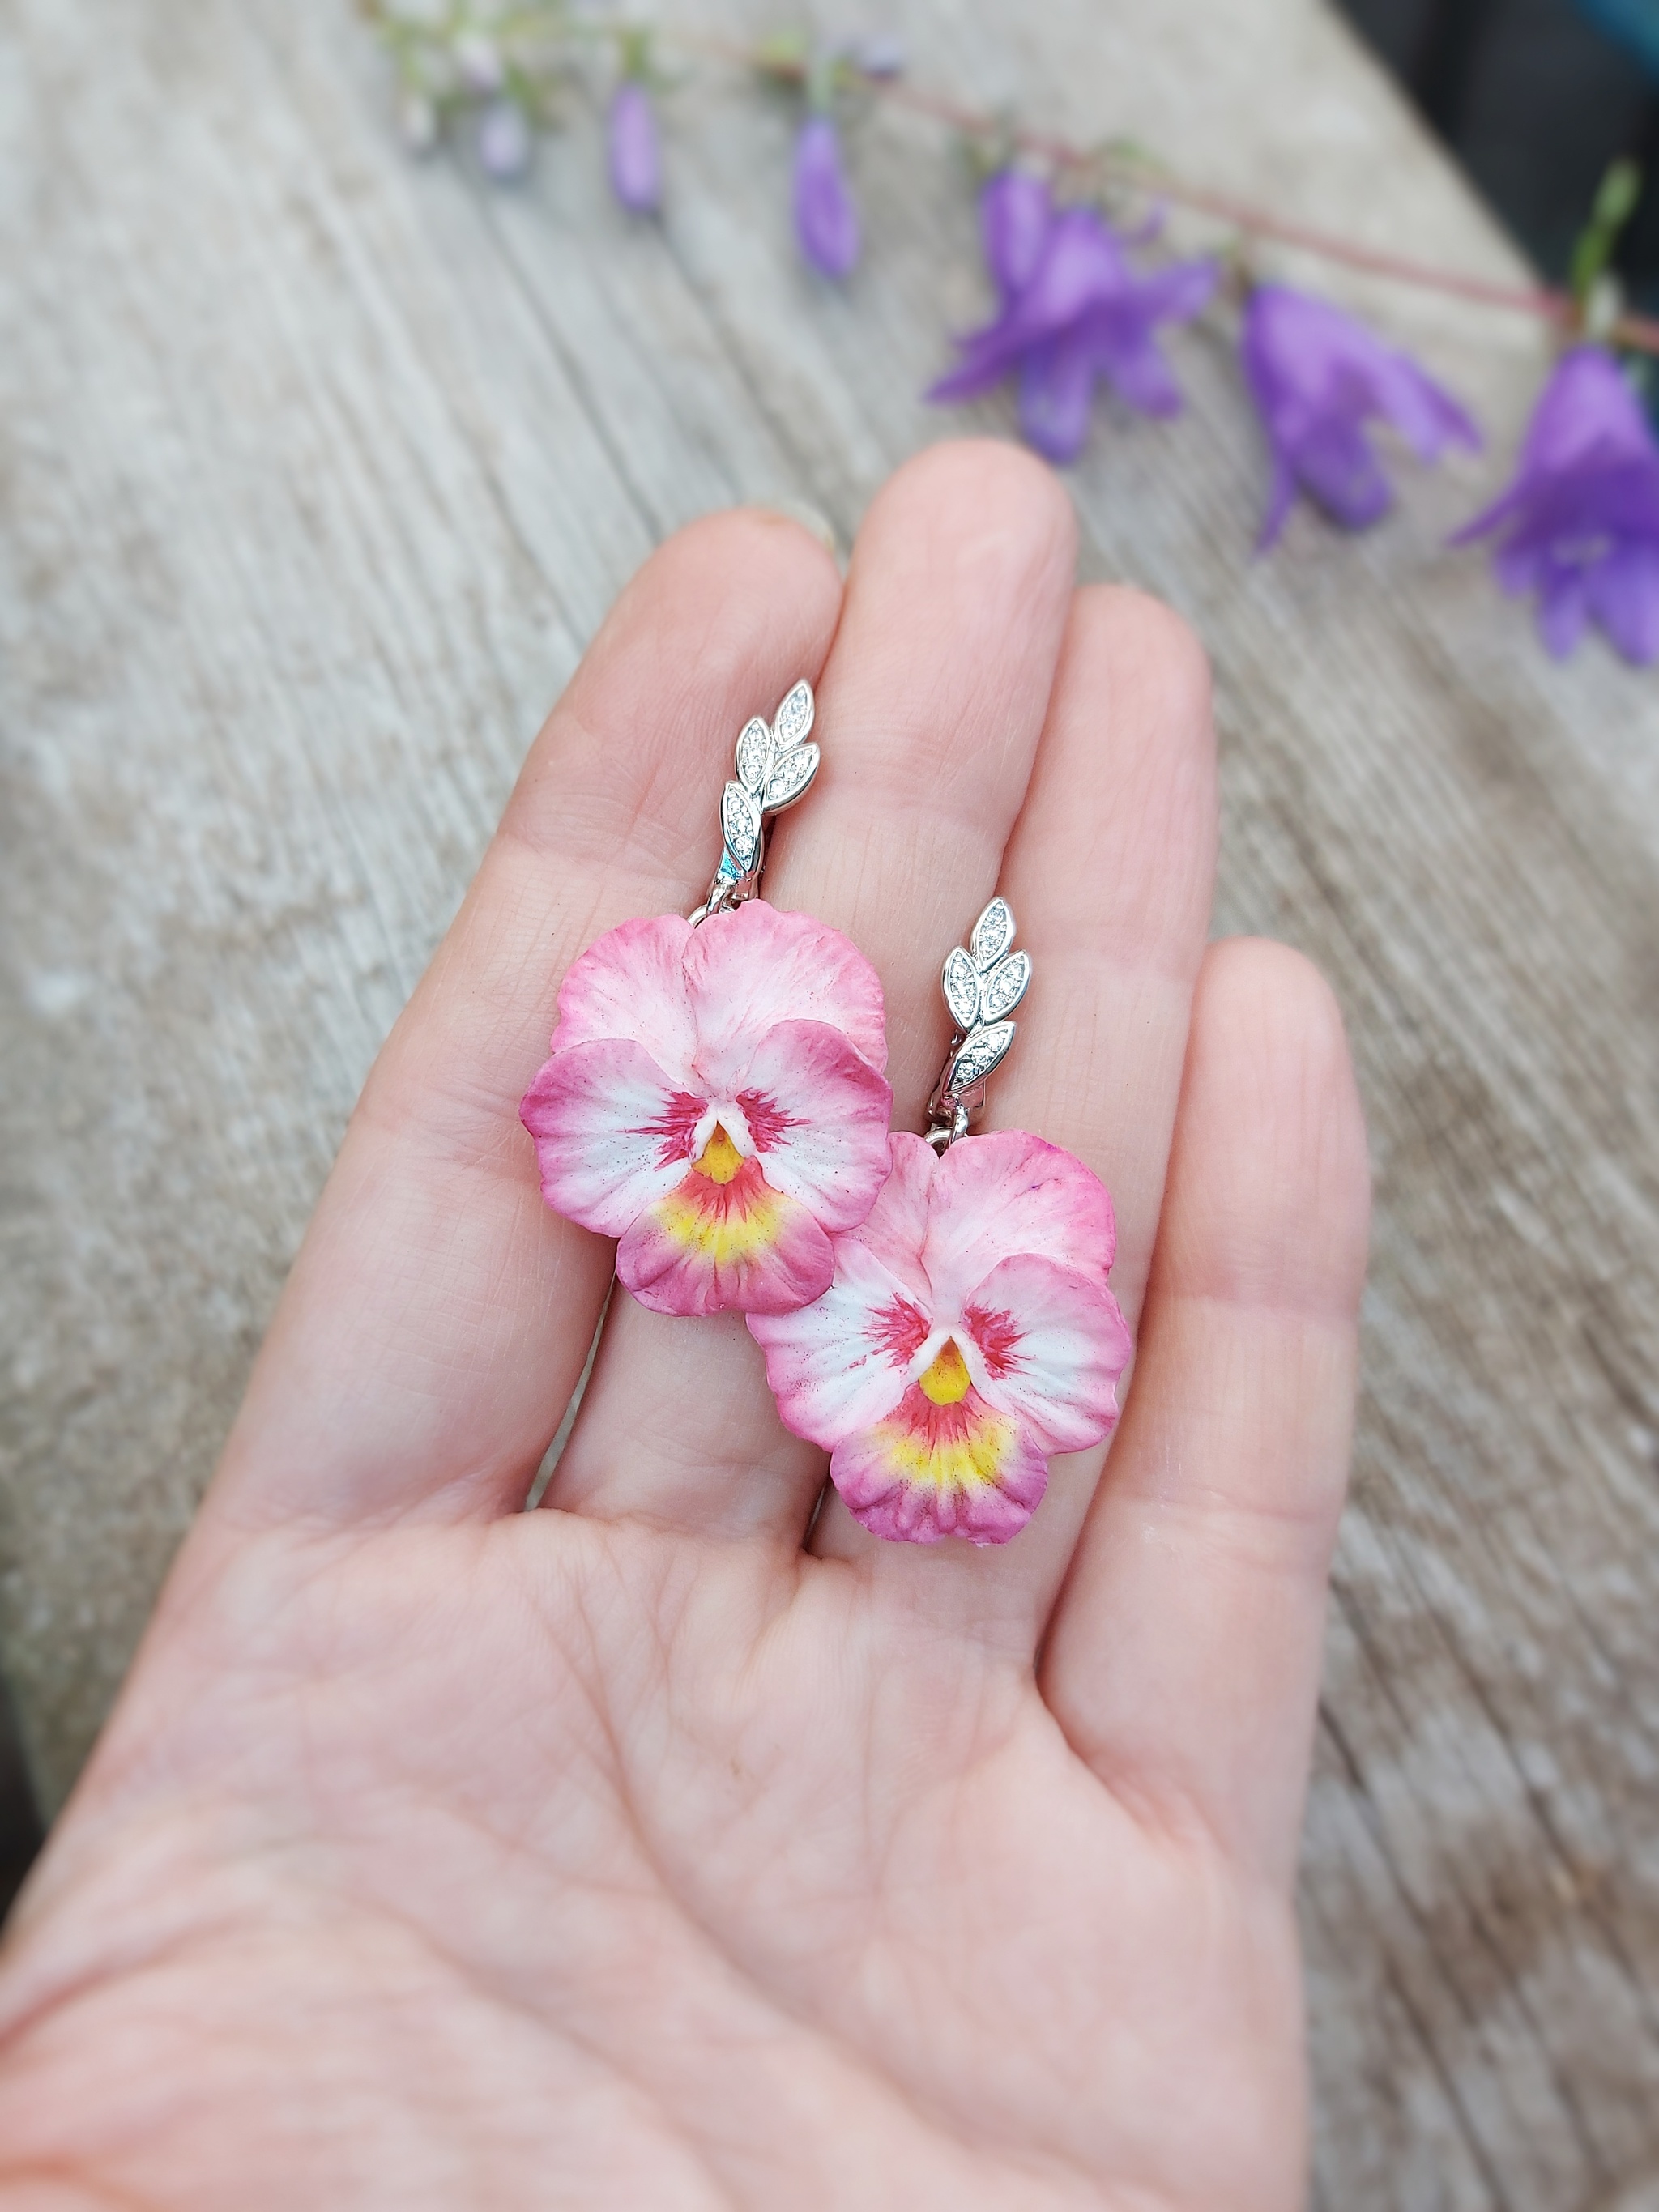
318	468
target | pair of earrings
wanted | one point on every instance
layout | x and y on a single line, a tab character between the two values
934	1310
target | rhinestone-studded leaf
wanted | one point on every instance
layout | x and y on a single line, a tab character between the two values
793	720
983	1051
740	819
993	932
789	777
754	752
1005	986
961	981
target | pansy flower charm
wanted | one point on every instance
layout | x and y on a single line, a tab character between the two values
968	1331
714	1097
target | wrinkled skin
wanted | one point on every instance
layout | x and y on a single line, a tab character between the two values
646	1851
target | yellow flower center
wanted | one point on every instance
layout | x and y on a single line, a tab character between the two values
720	1158
947	1380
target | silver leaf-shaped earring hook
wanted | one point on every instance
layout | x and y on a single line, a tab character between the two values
984	982
775	767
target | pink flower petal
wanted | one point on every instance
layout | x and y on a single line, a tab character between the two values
816	1114
993	1197
709	1246
749	970
895	1228
1047	1345
611	1133
631	983
929	1471
842	1363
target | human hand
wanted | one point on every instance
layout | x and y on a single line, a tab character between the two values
628	1854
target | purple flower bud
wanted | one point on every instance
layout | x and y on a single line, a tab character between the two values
504	140
635	154
1581	520
1015	211
826	221
1317	377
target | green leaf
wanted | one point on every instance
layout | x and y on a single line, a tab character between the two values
1615	203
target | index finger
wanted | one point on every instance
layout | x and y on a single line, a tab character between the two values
437	1317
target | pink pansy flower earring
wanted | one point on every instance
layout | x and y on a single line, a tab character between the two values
714	1097
968	1331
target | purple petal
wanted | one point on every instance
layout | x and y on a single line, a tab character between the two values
1317	376
1623	597
1126	354
1084	312
1336	467
1522	568
826	221
1015	213
504	140
1561	614
1305	358
635	152
1056	391
1178	293
1587	409
1081	265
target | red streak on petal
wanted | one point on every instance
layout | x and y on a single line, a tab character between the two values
766	1118
675	1126
898	1328
938	1427
997	1335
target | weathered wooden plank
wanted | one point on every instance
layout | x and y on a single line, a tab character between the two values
318	469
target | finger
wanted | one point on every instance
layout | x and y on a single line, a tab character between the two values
929	711
1183	1658
1110	873
438	1315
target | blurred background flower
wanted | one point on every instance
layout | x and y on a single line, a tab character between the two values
1580	524
1074	310
1317	377
826	221
635	150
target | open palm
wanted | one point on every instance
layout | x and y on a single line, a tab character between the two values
671	1848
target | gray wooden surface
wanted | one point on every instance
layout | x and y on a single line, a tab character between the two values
316	471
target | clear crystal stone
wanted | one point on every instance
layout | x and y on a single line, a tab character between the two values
794	717
789	777
740	821
1005	986
993	932
983	1051
961	981
754	751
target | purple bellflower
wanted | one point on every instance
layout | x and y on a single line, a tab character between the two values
1317	377
635	153
826	221
1582	517
1073	309
504	140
